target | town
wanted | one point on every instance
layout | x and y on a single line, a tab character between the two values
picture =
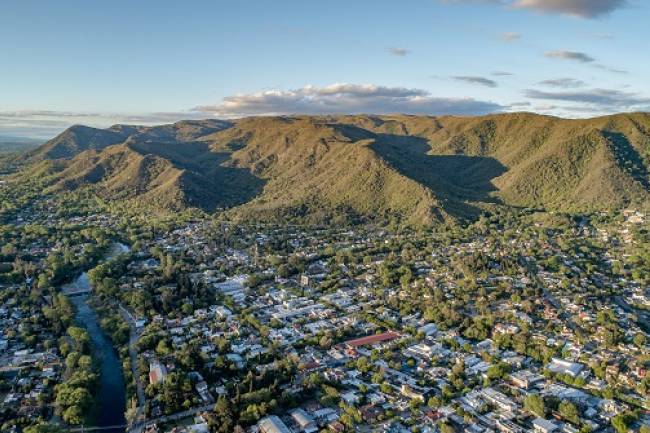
527	321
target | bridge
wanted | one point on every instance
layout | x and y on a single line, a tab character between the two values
80	286
121	428
76	291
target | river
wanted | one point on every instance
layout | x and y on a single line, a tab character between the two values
110	396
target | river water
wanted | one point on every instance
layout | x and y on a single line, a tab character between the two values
110	394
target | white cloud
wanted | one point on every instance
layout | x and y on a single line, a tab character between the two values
481	81
613	70
605	100
333	99
397	51
565	83
345	98
47	123
510	36
576	8
570	55
582	58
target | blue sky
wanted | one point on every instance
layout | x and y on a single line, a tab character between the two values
98	63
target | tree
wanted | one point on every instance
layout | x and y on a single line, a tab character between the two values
161	348
43	428
639	339
620	423
187	309
85	362
68	396
325	341
285	270
446	428
73	415
414	404
535	404
71	360
569	411
224	421
80	337
131	411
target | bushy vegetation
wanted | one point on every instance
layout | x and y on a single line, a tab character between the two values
415	170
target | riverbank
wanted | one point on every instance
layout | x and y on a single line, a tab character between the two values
110	399
110	396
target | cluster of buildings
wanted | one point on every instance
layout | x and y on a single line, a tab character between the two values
29	366
412	373
465	334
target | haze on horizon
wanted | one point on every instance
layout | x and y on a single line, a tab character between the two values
152	62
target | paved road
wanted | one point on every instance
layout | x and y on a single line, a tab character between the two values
173	417
142	423
185	414
134	335
562	314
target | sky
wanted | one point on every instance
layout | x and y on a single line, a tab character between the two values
99	63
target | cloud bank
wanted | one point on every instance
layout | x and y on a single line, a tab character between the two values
346	98
47	123
601	100
562	95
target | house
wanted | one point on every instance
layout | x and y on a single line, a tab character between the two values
350	398
428	329
157	372
202	388
272	424
233	287
325	416
498	399
525	379
222	312
561	366
414	393
372	340
422	351
304	421
201	427
236	359
507	426
541	425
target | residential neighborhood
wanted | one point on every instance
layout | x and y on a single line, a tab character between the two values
537	324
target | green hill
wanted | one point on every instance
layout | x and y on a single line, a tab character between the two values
355	168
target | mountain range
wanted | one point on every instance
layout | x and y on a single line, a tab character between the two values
351	168
11	144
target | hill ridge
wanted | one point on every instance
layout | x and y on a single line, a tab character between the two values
418	169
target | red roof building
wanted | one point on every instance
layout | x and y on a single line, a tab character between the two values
371	340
